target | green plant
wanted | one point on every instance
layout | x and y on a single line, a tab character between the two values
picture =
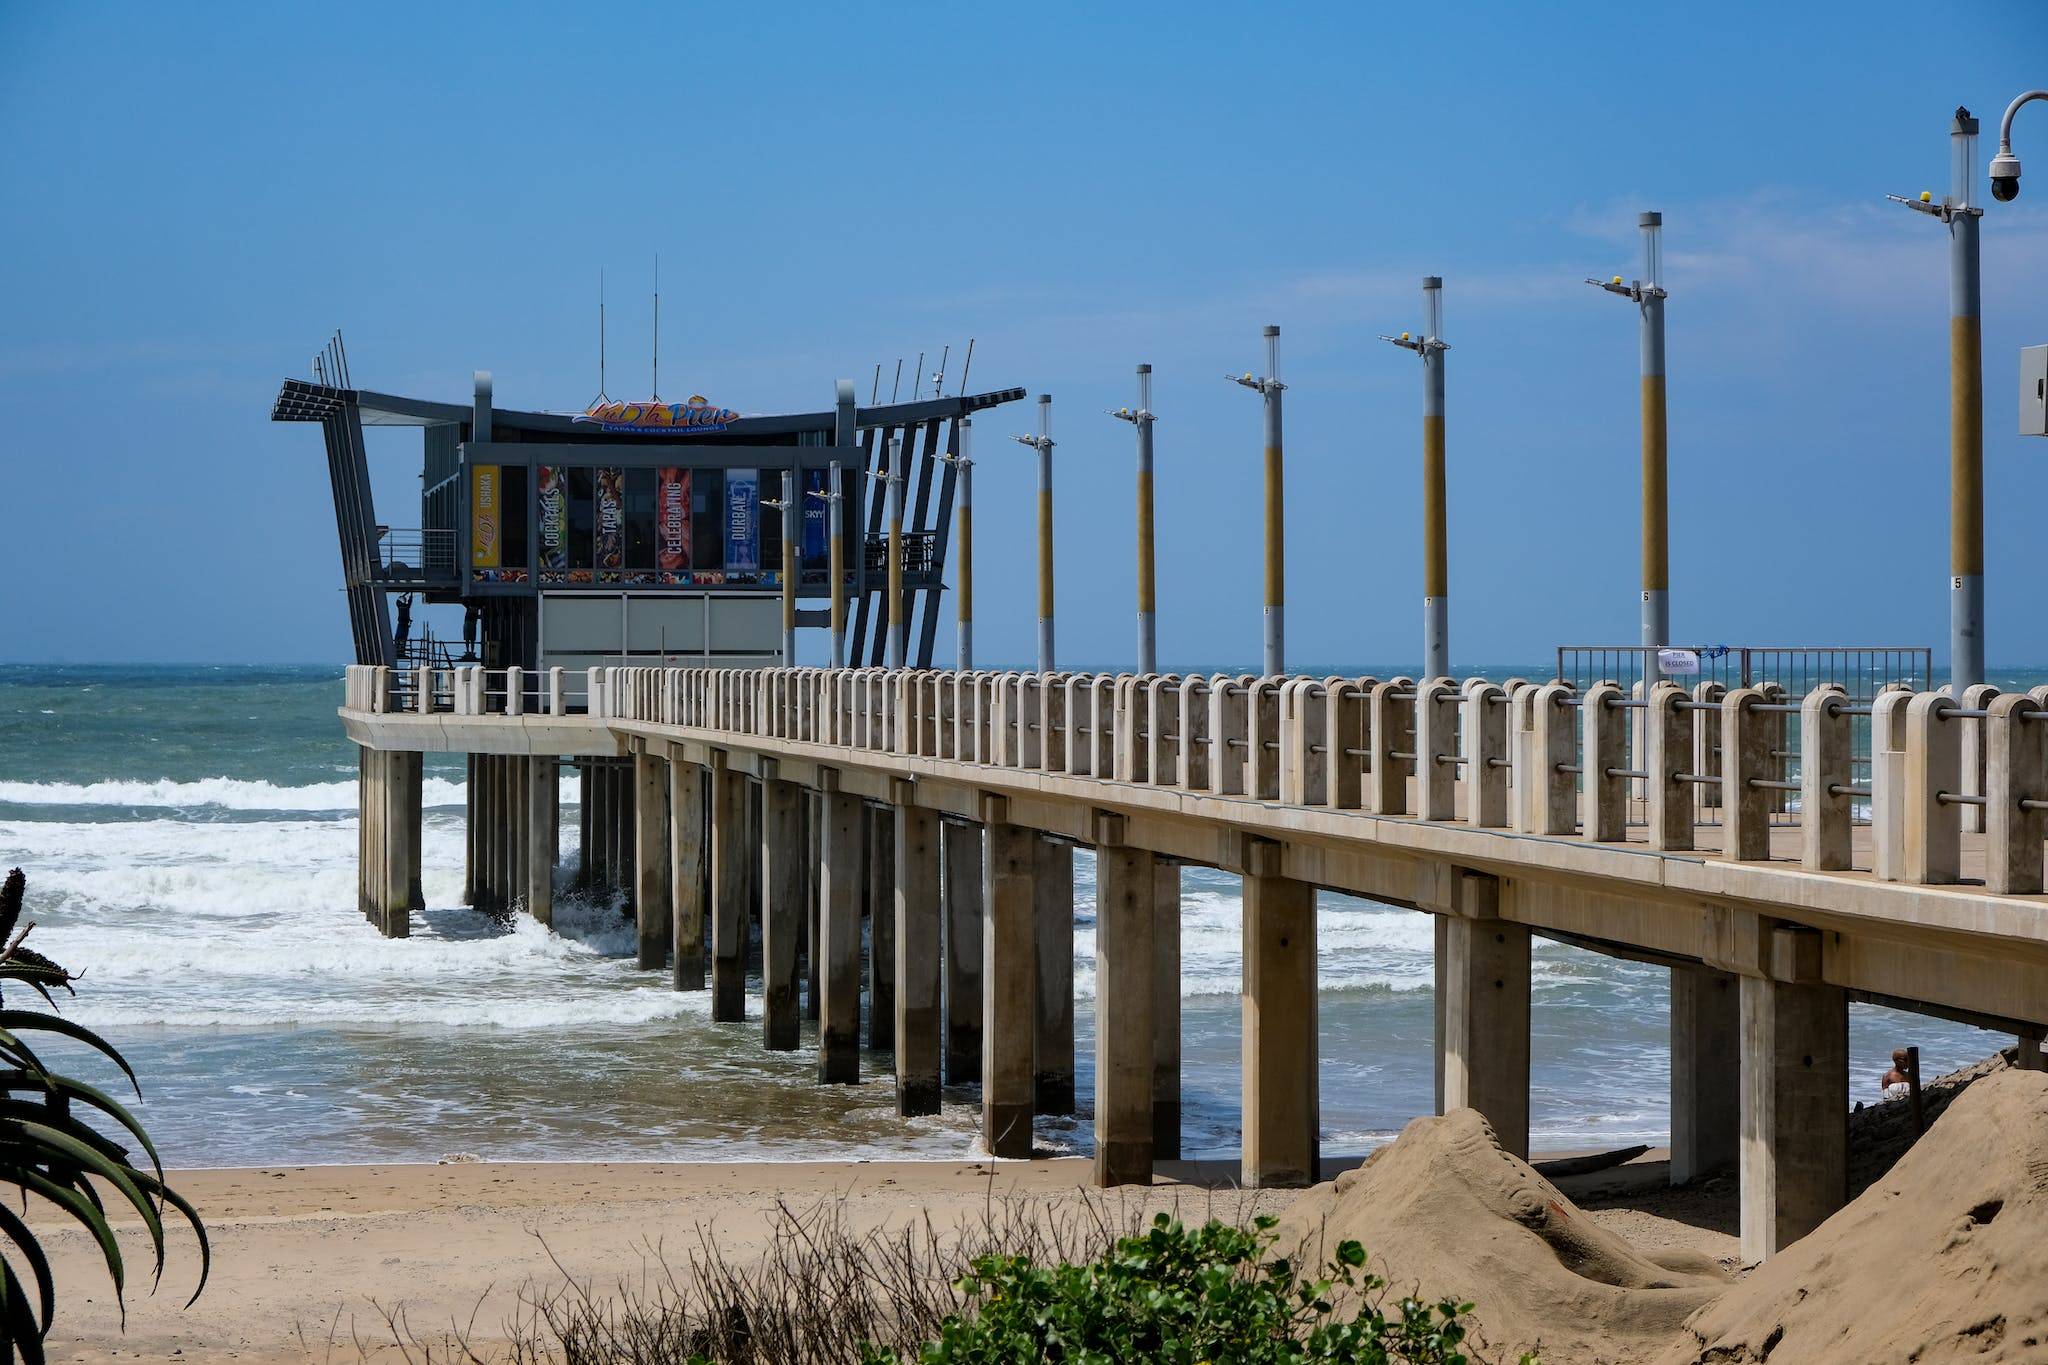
49	1150
1200	1297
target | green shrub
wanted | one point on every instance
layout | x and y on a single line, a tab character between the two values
1200	1297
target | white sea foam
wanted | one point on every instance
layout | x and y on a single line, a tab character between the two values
218	793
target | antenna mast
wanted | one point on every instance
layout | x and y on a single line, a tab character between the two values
965	366
602	396
657	327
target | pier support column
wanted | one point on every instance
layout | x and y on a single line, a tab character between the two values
1795	1096
586	809
652	914
1282	1117
543	797
389	843
1053	899
1126	974
840	852
1485	978
686	830
918	960
1009	987
813	897
469	827
782	913
881	929
962	845
413	782
730	854
1165	1010
1706	1077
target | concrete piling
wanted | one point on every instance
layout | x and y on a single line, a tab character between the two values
543	802
1706	1092
839	844
1485	984
919	966
1795	1095
653	918
731	851
687	815
1053	912
1009	984
782	913
961	844
1125	970
1281	1100
881	899
1165	1010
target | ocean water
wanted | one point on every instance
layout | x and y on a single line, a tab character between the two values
189	837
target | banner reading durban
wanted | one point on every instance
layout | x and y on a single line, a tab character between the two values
671	419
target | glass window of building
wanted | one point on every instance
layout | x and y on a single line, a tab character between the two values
707	506
582	520
640	519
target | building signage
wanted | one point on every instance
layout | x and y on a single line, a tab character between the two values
660	419
742	521
553	497
816	509
672	519
611	523
1674	663
485	515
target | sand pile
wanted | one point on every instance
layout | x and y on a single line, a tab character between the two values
1445	1212
1944	1258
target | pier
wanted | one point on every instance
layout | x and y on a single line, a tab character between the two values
1782	854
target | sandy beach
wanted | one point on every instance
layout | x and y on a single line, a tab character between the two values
310	1259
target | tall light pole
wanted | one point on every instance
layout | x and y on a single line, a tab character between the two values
964	462
1042	443
832	497
1965	403
1436	591
1141	418
1270	388
899	627
787	506
1648	295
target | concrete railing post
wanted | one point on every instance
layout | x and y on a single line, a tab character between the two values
1603	761
558	697
515	691
1229	707
1526	786
1346	714
1262	739
1130	734
1194	733
1485	776
1162	730
1888	784
1826	775
1029	693
1746	742
1553	743
1706	757
1304	736
1437	704
1390	727
1934	771
1668	752
1057	720
2015	770
1977	697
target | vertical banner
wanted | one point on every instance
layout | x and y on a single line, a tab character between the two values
817	526
552	493
611	523
672	519
485	515
742	521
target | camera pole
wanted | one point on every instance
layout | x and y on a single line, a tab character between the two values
1270	388
1042	443
1141	418
1965	405
898	618
964	462
1436	592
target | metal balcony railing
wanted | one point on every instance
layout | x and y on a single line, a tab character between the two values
413	557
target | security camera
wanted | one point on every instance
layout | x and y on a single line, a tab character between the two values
2005	177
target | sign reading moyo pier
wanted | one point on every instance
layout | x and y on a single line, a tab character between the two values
697	415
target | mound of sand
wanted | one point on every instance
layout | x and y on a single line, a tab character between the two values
1944	1258
1445	1212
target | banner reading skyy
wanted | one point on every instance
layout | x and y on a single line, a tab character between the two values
816	509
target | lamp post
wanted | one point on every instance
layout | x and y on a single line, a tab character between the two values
899	628
1042	443
787	506
964	462
1436	592
1141	418
832	497
1269	388
1648	295
1965	403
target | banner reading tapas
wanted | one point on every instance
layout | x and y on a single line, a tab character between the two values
684	419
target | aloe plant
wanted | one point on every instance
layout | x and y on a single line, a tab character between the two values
49	1150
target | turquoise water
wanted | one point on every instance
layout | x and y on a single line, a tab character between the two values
189	835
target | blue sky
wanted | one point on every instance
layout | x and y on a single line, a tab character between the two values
198	195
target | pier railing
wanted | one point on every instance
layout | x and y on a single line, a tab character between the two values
1709	769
